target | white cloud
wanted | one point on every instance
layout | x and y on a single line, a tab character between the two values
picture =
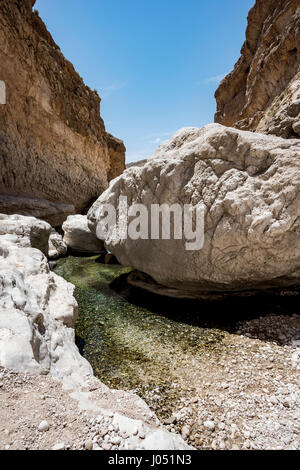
148	145
108	90
215	79
159	137
155	141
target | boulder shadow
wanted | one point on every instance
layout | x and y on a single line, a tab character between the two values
270	315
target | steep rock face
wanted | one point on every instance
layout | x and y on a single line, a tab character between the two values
116	150
248	185
53	143
52	212
262	93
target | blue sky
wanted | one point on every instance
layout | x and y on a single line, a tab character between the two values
155	63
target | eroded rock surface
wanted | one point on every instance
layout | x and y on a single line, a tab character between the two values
262	93
248	185
53	213
28	232
54	145
38	312
37	337
78	237
57	247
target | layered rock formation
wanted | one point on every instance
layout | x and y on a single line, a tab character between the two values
263	92
249	188
53	143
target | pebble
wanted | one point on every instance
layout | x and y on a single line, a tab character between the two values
103	432
97	447
106	446
59	446
44	426
116	440
210	425
185	432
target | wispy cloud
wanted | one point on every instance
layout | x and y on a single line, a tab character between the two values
159	137
155	141
148	145
110	89
214	79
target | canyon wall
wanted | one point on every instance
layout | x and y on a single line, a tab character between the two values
262	93
55	154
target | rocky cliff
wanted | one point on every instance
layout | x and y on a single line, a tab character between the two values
262	93
55	155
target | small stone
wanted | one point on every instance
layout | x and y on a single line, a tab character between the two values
96	446
210	425
88	445
103	432
44	426
59	446
106	446
170	420
185	432
116	440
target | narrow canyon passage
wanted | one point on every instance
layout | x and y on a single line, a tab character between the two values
206	369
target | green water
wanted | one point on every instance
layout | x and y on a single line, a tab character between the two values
134	340
163	349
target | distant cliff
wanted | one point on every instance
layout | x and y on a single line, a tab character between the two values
262	93
55	155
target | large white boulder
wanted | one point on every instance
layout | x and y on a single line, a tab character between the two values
249	188
78	237
37	315
30	232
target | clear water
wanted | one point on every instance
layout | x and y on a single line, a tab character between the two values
153	345
134	340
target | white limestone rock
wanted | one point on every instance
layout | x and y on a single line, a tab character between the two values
249	186
78	236
37	315
30	232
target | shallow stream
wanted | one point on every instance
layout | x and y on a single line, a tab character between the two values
139	341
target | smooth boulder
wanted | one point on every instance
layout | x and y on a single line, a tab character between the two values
78	237
249	187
